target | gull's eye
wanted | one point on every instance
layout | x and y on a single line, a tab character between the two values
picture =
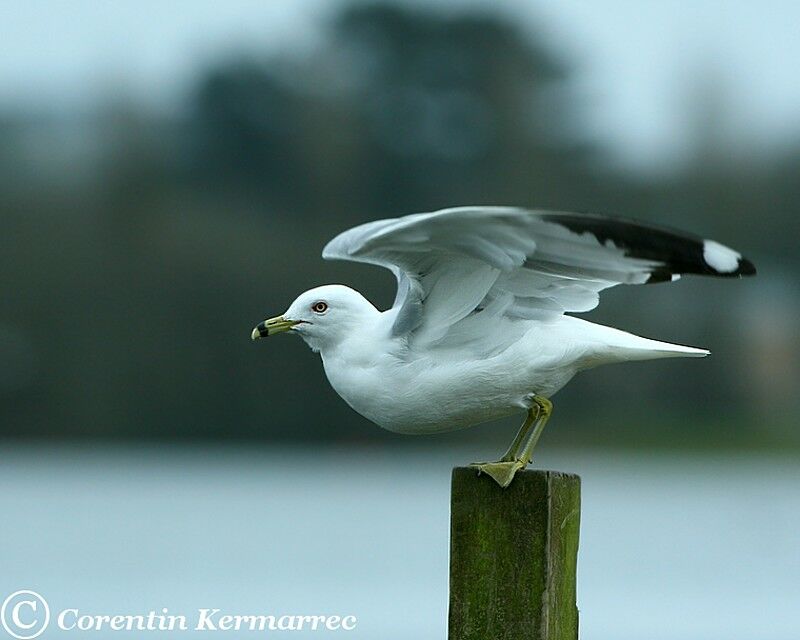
319	307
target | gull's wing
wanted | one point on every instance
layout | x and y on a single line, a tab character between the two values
457	264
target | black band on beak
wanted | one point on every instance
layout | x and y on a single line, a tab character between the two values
272	326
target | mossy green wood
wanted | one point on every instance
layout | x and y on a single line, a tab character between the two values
513	557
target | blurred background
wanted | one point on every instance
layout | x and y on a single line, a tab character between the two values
169	173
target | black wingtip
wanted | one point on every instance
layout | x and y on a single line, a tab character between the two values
676	253
746	268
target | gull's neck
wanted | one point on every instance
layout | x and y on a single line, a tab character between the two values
365	339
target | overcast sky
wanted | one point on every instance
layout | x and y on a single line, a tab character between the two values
634	59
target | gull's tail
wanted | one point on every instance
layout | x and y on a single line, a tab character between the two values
607	345
646	349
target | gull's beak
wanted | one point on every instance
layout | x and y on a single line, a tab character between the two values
272	326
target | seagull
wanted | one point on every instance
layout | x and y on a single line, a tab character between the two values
479	327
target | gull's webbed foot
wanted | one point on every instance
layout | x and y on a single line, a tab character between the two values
502	471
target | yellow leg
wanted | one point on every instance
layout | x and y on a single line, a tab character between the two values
522	434
544	413
503	470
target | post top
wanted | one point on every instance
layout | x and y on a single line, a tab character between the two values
463	473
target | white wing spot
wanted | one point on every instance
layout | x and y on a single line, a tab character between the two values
719	257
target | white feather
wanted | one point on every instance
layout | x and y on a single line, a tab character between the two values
719	257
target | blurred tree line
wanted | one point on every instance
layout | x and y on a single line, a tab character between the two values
139	249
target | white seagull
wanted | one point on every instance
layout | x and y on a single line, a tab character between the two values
478	328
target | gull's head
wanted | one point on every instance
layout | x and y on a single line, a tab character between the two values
323	316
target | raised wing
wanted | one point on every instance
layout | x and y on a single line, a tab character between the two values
456	264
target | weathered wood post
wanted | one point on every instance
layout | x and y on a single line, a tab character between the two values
513	556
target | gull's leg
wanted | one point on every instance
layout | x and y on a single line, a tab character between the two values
503	470
545	410
524	430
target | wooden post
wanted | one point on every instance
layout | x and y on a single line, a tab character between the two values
513	556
